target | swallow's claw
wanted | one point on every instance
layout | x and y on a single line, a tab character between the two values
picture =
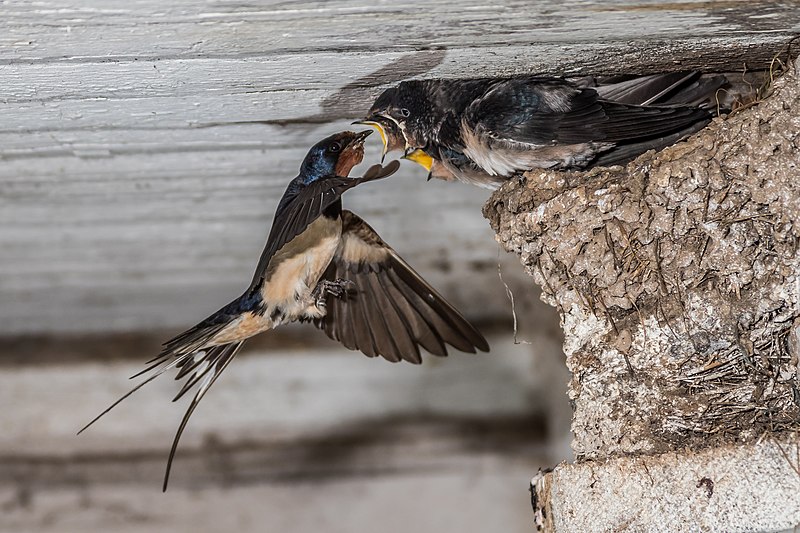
337	288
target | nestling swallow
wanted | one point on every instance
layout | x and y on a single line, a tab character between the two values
485	130
326	265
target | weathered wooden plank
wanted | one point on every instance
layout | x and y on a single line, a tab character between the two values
137	237
278	423
484	491
143	146
113	30
267	395
282	425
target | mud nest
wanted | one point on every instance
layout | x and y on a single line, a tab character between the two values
677	282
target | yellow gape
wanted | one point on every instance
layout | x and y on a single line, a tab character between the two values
420	157
379	128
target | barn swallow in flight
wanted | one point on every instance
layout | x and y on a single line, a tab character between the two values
326	265
483	131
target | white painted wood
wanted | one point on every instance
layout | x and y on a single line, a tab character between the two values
281	427
264	396
485	492
144	144
123	243
115	30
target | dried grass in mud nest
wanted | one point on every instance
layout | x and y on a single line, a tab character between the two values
678	282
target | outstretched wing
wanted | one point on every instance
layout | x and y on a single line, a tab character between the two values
301	207
544	111
389	310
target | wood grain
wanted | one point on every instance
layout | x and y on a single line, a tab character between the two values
144	145
267	396
278	430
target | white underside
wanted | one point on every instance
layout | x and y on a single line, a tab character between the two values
290	286
293	274
501	157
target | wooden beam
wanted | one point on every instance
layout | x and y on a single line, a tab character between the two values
144	146
473	38
271	396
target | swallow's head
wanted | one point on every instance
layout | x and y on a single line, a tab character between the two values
334	156
409	107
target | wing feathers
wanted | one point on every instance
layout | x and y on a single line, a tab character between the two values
301	205
438	303
541	111
391	310
421	330
397	327
435	319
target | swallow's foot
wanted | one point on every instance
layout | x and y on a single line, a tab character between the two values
337	288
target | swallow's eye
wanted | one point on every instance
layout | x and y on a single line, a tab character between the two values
335	147
404	112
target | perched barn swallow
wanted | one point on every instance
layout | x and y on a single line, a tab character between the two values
485	130
325	265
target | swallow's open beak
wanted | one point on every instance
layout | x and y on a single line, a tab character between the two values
381	131
361	136
352	154
420	157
